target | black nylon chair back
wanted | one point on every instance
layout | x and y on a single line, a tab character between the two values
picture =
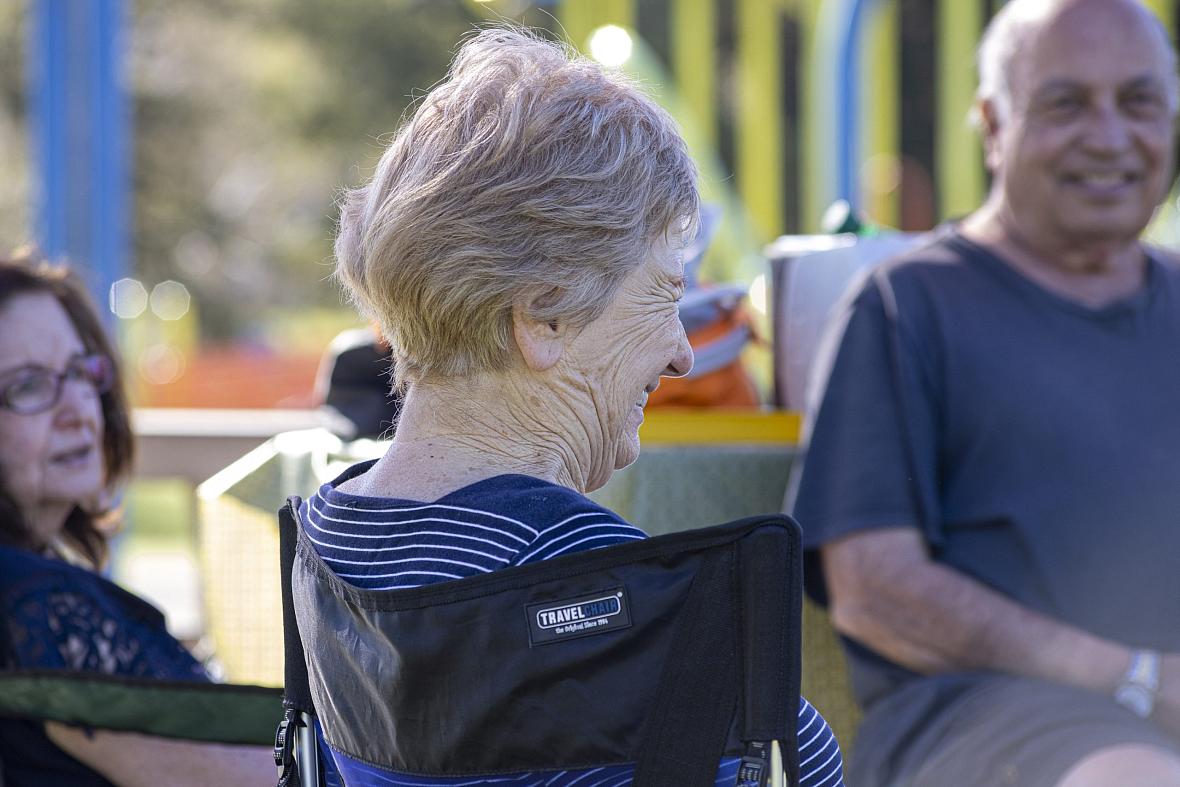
670	653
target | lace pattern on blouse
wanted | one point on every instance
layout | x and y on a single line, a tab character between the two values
61	628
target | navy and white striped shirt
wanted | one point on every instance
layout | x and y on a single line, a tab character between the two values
387	543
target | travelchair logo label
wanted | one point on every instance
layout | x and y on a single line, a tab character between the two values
581	616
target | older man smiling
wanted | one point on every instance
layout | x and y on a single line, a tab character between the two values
991	484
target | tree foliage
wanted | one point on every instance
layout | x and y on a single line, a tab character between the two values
249	118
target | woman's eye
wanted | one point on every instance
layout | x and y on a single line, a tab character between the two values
31	384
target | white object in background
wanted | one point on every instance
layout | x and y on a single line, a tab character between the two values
810	287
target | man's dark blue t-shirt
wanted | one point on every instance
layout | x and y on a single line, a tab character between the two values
1034	440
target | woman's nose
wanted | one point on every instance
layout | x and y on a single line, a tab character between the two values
78	402
681	363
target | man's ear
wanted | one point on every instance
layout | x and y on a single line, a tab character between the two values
989	130
540	343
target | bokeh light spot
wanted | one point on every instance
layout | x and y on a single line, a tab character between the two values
170	300
128	298
161	364
610	45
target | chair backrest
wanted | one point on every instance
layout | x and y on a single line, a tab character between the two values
664	652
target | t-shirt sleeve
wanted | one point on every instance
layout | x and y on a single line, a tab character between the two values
871	460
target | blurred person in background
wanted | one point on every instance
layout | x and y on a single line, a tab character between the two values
355	382
991	480
520	246
65	446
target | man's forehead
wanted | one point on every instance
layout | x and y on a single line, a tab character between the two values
1145	80
1069	39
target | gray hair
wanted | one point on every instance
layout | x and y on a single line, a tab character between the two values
1005	37
529	176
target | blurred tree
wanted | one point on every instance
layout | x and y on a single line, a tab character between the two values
15	222
249	118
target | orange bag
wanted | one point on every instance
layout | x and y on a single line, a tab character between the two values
718	329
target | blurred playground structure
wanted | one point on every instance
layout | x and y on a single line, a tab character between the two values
211	246
788	106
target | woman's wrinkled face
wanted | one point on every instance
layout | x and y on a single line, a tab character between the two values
621	356
52	460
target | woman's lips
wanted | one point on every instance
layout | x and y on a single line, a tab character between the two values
73	456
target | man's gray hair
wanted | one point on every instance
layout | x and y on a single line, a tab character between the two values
1004	38
530	175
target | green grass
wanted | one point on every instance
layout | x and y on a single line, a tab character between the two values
159	514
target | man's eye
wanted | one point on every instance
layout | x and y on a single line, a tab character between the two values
1060	104
1144	101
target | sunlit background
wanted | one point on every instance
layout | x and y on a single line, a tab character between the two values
243	119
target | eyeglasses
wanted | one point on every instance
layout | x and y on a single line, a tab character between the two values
34	389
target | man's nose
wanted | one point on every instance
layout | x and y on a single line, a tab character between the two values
681	363
1108	130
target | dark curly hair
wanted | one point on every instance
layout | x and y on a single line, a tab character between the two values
86	531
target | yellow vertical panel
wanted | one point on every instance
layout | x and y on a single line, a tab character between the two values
694	62
759	123
1166	11
958	160
617	12
880	100
815	178
578	18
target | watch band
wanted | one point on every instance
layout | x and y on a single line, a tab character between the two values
1140	684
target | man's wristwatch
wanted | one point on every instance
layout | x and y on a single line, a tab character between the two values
1136	691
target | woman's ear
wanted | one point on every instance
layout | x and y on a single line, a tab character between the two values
540	343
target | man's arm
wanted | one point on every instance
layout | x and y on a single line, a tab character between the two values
888	594
132	760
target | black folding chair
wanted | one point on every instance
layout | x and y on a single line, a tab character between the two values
668	653
183	710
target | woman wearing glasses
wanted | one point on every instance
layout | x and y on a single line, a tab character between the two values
65	445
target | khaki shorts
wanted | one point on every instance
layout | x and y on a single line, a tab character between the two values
986	730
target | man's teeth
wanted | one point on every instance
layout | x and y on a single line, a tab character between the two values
1104	181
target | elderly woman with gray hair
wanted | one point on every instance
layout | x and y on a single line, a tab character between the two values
519	245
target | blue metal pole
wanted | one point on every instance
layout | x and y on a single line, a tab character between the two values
835	107
46	62
848	104
79	125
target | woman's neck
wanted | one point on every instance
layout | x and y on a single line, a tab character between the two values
452	435
44	523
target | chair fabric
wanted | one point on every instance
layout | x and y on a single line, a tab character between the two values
667	654
185	710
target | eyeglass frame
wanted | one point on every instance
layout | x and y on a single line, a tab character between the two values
101	378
